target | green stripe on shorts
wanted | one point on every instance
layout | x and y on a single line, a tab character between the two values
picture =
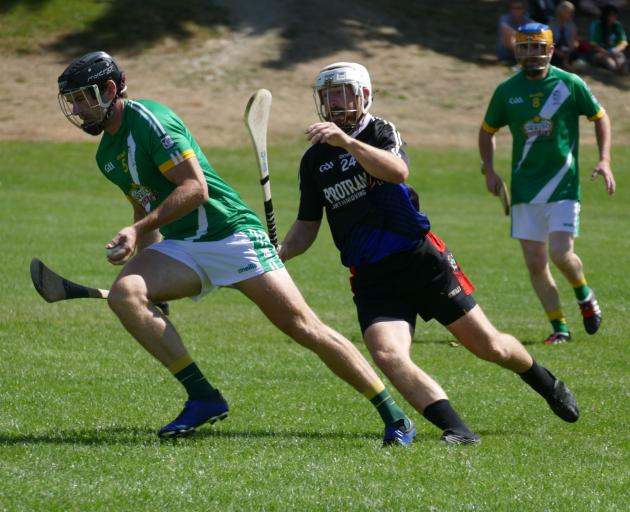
265	251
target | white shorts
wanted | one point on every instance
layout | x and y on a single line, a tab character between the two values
534	221
224	262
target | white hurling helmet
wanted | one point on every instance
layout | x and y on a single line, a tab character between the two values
341	73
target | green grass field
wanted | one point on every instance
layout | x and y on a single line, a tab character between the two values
80	401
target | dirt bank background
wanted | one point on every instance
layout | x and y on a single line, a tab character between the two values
432	68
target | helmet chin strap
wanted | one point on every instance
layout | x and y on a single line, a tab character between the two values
349	128
536	72
533	73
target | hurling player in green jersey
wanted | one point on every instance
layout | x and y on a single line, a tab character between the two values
192	232
541	104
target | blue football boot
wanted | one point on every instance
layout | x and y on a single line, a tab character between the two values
195	413
401	433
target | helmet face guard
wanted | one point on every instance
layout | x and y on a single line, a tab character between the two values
346	82
81	86
339	104
533	47
85	108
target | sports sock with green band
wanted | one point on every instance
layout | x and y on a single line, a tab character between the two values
560	325
539	379
384	403
188	373
558	322
444	417
581	289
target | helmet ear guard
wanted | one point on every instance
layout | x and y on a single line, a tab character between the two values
533	46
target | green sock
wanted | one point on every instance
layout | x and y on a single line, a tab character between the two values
559	325
558	322
196	384
387	408
581	292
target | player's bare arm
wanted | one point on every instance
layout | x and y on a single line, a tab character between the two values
377	162
603	168
191	191
299	238
487	145
118	257
149	238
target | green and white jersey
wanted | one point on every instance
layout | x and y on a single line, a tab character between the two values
152	140
543	116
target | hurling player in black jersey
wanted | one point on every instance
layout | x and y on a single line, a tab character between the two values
355	170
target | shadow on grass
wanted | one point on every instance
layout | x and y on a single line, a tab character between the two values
531	342
139	436
132	436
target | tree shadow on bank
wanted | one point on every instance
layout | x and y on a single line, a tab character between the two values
463	29
132	26
7	5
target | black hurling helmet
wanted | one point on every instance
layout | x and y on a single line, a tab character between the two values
81	86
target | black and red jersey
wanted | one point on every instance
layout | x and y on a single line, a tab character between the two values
369	218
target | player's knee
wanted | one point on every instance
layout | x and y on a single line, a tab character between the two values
494	349
388	359
537	265
561	258
125	294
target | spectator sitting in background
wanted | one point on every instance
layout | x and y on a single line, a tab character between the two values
593	7
542	11
565	55
608	41
508	23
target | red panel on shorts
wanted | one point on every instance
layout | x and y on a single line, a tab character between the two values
436	241
353	271
462	279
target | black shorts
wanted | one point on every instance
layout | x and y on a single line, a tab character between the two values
426	281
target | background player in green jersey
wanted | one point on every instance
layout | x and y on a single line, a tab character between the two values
210	238
541	104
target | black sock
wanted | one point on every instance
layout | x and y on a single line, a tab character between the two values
444	417
539	379
197	386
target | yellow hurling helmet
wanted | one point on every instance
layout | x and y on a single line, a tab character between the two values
533	46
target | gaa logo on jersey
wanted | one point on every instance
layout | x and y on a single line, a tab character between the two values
326	167
167	142
538	126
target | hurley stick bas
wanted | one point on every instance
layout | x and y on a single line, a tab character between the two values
504	194
257	119
53	288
